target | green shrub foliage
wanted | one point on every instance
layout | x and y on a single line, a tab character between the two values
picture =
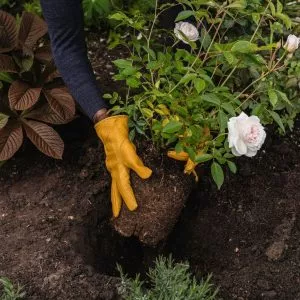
178	87
97	11
167	280
10	291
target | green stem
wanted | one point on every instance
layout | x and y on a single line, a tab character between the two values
197	57
214	37
230	74
150	35
253	36
258	79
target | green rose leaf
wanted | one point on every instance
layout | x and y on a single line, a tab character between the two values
277	119
272	97
229	108
217	174
232	166
133	82
199	84
244	47
172	127
211	98
187	78
122	63
201	158
223	120
184	15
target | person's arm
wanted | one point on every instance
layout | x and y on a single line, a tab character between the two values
66	30
65	22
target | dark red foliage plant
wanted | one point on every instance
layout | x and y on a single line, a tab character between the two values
31	97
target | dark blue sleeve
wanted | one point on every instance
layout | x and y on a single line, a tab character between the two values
66	30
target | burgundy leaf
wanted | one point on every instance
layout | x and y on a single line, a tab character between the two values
52	76
47	115
22	96
61	102
32	28
11	138
26	51
45	138
7	64
8	32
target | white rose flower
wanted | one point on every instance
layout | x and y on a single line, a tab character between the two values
292	43
189	30
246	135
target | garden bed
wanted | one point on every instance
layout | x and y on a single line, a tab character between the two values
58	241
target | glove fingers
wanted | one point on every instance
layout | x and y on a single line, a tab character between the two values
139	168
126	192
190	166
116	199
182	156
135	163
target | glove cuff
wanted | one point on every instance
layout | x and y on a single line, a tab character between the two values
111	125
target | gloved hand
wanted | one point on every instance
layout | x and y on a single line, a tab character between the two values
183	156
189	166
120	158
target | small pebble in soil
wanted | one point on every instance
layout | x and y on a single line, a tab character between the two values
263	284
257	250
269	295
275	251
83	174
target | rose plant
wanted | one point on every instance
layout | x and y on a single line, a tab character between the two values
192	88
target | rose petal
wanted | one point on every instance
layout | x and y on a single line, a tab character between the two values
242	116
234	152
251	153
255	119
232	132
241	147
189	31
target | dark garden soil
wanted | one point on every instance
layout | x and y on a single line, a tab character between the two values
57	239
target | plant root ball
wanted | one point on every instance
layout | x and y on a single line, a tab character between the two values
161	198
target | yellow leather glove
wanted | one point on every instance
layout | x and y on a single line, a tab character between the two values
183	156
189	166
120	158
